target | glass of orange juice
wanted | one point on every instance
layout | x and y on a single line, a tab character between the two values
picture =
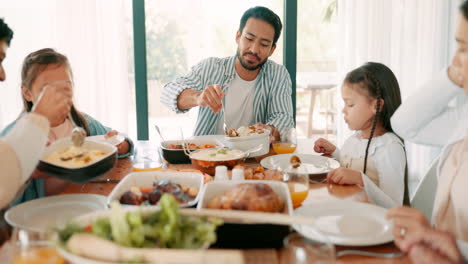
298	184
287	143
33	247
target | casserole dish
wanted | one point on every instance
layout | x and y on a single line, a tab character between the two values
81	172
244	235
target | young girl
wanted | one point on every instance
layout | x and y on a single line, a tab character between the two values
374	157
40	69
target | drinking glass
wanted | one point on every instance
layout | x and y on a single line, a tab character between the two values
33	247
287	143
300	250
298	184
147	156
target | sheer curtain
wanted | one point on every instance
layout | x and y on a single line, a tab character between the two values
414	38
92	34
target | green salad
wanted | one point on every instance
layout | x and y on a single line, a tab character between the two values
166	228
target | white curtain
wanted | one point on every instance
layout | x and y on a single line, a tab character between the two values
414	38
94	37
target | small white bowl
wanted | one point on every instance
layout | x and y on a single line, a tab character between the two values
248	142
146	179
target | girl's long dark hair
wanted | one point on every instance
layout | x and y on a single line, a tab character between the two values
380	83
37	62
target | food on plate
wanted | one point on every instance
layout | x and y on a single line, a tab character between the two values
258	197
217	154
259	173
165	228
152	195
245	131
192	146
295	161
74	157
206	160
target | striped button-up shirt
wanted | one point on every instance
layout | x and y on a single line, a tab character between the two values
272	97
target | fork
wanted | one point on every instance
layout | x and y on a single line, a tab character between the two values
369	254
314	181
224	114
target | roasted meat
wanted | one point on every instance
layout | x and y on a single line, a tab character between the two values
249	197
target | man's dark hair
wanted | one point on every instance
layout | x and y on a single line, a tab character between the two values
5	32
264	14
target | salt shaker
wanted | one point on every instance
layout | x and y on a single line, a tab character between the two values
237	174
221	173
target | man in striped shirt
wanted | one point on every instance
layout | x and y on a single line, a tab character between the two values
252	89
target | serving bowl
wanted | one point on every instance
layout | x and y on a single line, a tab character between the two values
206	160
248	235
245	143
177	156
84	173
146	179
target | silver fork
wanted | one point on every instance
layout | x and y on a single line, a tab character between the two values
369	254
224	117
314	181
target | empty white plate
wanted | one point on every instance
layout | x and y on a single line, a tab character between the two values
346	223
114	140
53	211
310	164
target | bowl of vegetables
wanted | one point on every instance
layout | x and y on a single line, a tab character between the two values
135	235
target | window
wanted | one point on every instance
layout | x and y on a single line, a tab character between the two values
316	77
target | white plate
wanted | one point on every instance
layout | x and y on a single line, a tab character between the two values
147	178
115	140
75	259
311	164
49	212
346	223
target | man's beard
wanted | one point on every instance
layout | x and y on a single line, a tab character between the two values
245	65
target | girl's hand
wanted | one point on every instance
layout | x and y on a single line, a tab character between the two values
324	146
408	219
123	147
455	74
345	176
110	134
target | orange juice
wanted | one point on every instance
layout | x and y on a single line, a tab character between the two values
284	148
298	192
41	255
147	166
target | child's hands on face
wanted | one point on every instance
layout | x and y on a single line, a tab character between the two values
324	146
345	176
123	147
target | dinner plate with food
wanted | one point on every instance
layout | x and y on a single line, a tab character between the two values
301	163
147	188
346	223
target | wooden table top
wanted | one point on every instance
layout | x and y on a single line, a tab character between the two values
317	193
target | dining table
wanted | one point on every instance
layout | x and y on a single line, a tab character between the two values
318	192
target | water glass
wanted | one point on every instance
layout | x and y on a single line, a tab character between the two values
147	156
33	247
299	250
287	143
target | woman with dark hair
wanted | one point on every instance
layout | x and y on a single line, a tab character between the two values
374	157
427	118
